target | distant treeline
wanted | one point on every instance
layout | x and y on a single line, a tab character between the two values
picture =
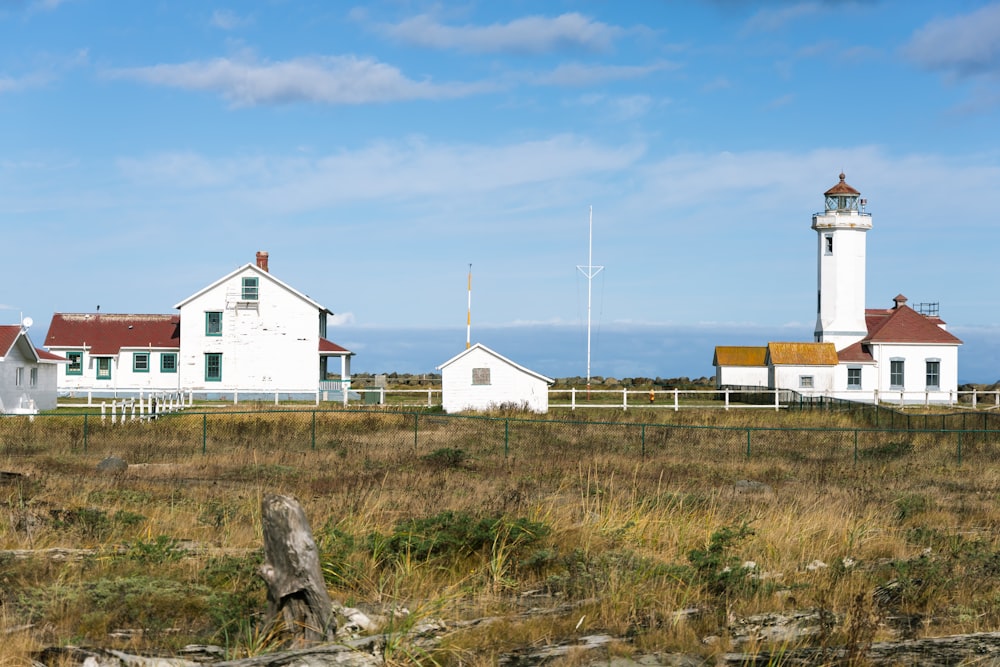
434	380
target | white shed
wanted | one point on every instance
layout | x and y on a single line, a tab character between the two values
481	379
27	374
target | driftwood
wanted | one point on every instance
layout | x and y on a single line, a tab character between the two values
297	600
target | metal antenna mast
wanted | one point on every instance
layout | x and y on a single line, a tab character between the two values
468	314
589	271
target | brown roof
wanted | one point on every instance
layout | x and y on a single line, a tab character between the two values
802	354
106	334
739	355
8	336
842	188
902	324
858	352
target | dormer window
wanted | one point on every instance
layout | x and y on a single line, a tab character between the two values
250	289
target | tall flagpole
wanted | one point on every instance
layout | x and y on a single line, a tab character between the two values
468	314
590	272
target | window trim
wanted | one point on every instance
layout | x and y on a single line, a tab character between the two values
927	374
209	322
97	368
250	288
69	367
857	386
209	356
807	382
168	355
902	373
136	356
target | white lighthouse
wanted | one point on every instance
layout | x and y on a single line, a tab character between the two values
840	300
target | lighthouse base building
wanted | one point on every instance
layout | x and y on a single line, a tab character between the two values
897	354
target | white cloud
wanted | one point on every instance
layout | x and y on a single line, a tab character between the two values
532	34
769	20
575	74
227	19
328	80
962	45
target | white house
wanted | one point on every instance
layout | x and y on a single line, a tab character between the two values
898	354
481	379
247	332
27	374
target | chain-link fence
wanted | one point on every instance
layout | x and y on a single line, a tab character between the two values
367	435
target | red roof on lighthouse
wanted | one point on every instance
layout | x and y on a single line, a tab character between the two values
842	188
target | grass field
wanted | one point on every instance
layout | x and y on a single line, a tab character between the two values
464	520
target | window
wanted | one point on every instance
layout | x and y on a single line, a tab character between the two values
140	362
896	373
75	365
828	244
213	323
854	377
213	367
18	376
480	376
806	381
933	374
34	377
250	292
103	368
168	362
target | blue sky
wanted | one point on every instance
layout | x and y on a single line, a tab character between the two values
376	150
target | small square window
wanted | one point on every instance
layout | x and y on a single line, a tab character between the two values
806	381
854	378
480	376
250	289
75	365
168	362
140	362
213	323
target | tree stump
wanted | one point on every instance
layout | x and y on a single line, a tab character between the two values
291	569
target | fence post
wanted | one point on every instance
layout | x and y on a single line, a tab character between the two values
855	446
429	397
643	438
204	433
748	443
624	399
84	432
572	398
959	448
777	402
727	400
314	431
676	402
416	418
506	438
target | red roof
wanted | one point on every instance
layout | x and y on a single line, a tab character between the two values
8	335
106	334
902	324
842	188
329	346
858	352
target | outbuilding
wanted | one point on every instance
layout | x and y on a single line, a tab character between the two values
481	379
27	374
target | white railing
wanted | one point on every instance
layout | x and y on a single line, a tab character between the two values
147	406
138	403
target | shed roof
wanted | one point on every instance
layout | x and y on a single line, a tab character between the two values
9	334
479	347
902	324
801	354
739	355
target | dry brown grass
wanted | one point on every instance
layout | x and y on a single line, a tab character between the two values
617	556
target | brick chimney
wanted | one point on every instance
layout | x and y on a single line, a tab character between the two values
262	260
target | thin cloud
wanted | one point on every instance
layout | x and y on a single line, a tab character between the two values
576	74
966	45
10	84
337	80
226	19
530	35
770	20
